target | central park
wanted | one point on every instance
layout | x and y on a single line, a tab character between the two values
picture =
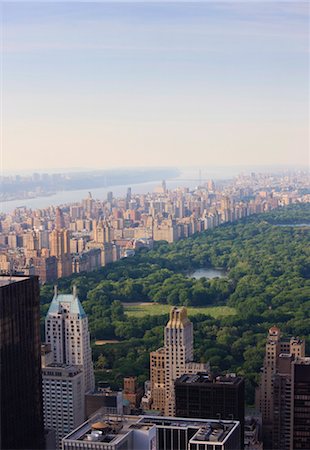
266	261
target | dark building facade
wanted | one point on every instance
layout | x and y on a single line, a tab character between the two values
301	408
20	373
205	397
108	401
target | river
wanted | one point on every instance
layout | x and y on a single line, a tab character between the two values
64	197
189	177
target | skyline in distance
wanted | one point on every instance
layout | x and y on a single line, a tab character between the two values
166	84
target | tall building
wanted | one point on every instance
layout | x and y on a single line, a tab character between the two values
45	267
63	398
204	397
282	403
103	432
157	371
60	247
20	370
274	396
66	330
301	404
132	392
59	219
173	360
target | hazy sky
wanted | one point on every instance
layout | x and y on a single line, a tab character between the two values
137	84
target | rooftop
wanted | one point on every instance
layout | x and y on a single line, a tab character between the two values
113	429
66	303
305	361
5	280
61	370
204	378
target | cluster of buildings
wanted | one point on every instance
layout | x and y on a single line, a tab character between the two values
49	398
55	242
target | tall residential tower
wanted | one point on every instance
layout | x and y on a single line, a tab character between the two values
66	330
275	394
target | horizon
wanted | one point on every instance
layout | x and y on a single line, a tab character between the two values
265	168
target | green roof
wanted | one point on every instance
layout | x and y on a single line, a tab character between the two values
75	306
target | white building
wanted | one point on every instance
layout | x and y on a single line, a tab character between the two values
63	398
66	330
153	433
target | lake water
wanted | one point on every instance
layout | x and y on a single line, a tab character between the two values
208	273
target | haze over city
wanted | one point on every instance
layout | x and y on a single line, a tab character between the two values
154	225
140	84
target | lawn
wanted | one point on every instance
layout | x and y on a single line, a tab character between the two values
156	309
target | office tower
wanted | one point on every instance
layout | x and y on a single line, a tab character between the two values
275	381
63	398
173	360
60	248
154	433
20	376
128	196
291	403
66	330
211	186
164	186
205	397
76	212
59	219
157	370
178	351
43	236
282	403
301	404
88	205
110	197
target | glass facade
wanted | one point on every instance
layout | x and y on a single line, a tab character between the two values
20	352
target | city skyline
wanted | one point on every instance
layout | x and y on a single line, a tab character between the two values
143	84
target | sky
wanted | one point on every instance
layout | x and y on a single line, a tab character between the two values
102	85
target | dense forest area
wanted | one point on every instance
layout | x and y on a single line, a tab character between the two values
267	282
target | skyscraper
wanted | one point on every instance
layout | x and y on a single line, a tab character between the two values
63	398
60	247
20	376
274	396
173	360
66	330
205	397
59	219
301	403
